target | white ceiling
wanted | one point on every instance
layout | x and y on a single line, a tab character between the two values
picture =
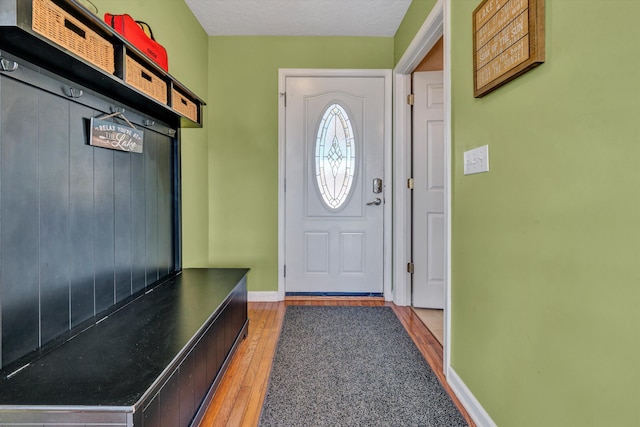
368	18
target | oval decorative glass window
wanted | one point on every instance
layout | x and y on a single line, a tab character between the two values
335	156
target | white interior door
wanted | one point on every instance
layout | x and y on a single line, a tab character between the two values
334	205
428	194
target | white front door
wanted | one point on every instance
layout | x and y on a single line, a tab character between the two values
428	192
334	193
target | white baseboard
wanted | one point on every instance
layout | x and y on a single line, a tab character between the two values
468	400
268	296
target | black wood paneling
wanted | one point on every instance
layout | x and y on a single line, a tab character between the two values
104	246
201	385
165	218
215	342
138	222
122	220
229	337
20	220
152	413
81	229
187	389
170	402
53	159
151	196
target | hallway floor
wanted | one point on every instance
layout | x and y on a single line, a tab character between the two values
238	400
433	320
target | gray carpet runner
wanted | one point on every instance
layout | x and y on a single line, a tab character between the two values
352	366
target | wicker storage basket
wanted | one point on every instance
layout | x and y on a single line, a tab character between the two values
184	106
146	81
57	25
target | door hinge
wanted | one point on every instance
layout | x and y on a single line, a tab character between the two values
410	183
410	99
284	95
285	271
410	268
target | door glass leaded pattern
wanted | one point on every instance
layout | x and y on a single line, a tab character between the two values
335	156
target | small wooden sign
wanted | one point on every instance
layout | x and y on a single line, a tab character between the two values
508	41
108	134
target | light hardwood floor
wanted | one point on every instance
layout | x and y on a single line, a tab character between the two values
239	398
433	320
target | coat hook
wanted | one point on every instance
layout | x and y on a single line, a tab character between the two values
7	65
75	93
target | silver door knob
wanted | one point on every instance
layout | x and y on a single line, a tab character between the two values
376	202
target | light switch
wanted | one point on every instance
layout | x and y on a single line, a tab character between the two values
476	160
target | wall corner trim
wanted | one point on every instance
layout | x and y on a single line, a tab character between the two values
468	400
263	296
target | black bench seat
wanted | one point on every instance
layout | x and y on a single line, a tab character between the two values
153	362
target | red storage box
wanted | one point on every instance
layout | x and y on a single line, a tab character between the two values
133	32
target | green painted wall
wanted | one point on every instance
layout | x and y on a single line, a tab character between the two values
546	246
243	145
175	27
411	23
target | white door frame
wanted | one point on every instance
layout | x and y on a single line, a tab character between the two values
283	73
435	26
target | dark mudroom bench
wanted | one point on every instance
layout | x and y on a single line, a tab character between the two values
156	361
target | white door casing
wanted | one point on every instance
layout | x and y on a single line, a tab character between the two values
334	245
429	232
428	35
436	25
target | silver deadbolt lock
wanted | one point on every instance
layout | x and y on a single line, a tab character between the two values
377	185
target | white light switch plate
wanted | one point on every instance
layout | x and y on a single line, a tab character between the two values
476	160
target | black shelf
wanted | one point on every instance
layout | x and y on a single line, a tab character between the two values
18	38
